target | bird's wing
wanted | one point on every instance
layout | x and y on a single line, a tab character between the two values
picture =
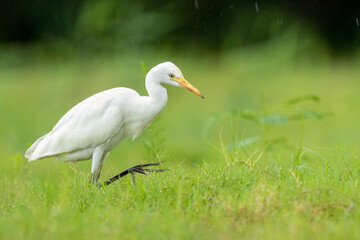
87	125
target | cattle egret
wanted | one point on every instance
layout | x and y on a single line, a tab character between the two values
95	126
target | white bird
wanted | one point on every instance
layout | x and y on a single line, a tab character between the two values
95	126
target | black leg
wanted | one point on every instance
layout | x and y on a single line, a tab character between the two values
135	169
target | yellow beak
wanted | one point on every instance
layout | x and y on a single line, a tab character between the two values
185	84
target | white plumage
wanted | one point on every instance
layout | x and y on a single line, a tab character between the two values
95	126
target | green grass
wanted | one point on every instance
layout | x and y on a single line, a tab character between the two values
267	200
243	163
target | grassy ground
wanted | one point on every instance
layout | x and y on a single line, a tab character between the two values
242	163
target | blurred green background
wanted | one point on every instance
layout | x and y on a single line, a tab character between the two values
238	164
245	56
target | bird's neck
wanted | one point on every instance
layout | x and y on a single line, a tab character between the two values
157	93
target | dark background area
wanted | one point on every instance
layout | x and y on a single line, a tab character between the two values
210	24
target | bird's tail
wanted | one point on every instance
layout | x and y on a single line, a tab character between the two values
32	149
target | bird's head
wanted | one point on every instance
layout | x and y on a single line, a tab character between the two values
169	73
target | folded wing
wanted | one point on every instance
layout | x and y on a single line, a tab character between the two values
87	125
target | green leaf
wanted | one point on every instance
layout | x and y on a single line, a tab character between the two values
144	68
303	98
313	152
273	119
243	143
311	114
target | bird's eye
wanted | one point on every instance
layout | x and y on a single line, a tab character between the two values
171	75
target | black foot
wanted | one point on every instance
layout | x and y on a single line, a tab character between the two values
135	169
